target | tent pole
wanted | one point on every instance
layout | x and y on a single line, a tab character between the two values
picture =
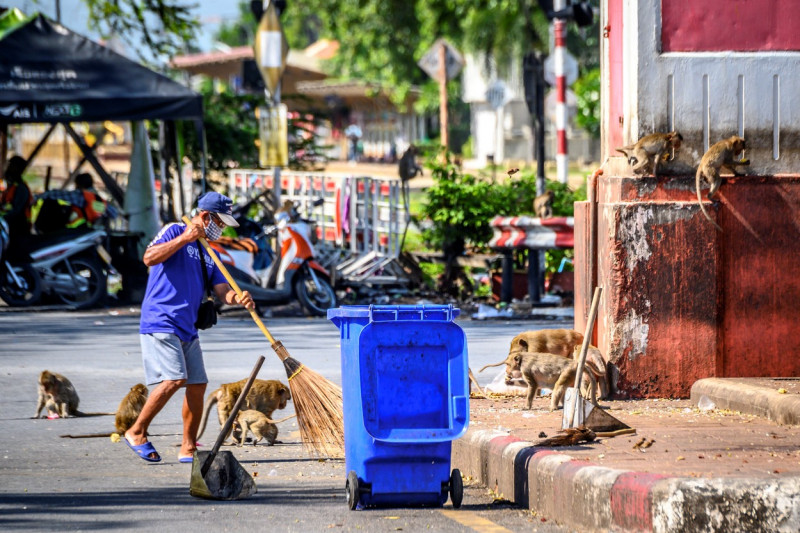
3	148
73	173
41	143
201	135
179	164
113	187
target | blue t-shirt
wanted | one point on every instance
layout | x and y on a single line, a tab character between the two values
176	288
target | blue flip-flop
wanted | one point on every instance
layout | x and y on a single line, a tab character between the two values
143	450
183	459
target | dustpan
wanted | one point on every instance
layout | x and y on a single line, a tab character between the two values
218	475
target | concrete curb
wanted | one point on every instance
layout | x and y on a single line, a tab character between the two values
594	498
738	395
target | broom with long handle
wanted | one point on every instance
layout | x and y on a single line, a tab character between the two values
317	401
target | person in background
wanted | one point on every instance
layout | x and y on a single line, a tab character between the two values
15	202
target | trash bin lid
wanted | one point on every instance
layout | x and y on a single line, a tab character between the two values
382	313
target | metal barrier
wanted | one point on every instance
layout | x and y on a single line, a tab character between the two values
360	224
532	233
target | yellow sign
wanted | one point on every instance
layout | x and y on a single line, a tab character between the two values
273	130
271	49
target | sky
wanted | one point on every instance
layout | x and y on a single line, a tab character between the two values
74	15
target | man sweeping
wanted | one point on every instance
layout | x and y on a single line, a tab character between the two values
171	351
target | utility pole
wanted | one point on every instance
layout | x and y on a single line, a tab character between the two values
560	33
443	92
533	78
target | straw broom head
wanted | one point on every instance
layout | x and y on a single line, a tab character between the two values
318	404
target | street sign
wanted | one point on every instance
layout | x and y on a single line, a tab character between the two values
273	148
497	94
570	69
271	48
430	61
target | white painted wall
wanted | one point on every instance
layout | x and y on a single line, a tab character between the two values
708	96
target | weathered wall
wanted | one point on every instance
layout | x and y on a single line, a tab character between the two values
682	301
708	81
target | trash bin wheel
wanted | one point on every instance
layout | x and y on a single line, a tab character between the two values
456	488
352	489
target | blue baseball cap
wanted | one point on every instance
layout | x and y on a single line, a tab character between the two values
214	202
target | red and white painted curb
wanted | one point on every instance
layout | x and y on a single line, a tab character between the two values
594	498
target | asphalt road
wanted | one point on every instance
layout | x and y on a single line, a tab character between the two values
49	482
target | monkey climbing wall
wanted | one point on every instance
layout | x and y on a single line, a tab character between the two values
681	300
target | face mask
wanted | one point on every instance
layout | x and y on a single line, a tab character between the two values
213	232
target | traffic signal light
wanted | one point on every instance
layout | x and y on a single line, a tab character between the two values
580	12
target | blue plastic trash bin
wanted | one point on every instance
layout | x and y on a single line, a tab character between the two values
406	398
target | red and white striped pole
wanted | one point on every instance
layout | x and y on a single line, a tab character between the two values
559	51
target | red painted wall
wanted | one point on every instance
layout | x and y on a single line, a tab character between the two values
729	25
698	303
761	278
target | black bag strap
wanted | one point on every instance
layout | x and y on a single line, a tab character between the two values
206	280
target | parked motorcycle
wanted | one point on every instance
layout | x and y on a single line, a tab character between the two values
292	275
73	266
20	285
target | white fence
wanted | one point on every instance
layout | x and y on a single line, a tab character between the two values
360	225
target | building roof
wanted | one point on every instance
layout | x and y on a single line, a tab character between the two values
205	62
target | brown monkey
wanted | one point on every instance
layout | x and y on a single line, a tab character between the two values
260	425
548	370
721	154
556	341
265	396
598	367
57	395
130	407
543	204
651	150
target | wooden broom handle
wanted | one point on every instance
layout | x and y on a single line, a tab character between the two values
232	283
584	348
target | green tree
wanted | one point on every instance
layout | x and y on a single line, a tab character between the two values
241	31
232	136
587	94
167	27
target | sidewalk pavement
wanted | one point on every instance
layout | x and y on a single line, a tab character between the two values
733	466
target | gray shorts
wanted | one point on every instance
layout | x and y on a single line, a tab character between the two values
166	357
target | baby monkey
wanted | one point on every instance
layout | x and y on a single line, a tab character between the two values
722	154
651	150
260	425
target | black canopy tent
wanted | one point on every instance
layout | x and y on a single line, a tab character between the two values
49	74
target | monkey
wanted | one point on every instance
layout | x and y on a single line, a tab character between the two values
130	407
260	425
57	395
721	154
543	204
651	150
408	167
265	396
127	413
597	363
548	370
556	341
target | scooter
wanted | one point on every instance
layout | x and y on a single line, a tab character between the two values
292	275
73	266
20	285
